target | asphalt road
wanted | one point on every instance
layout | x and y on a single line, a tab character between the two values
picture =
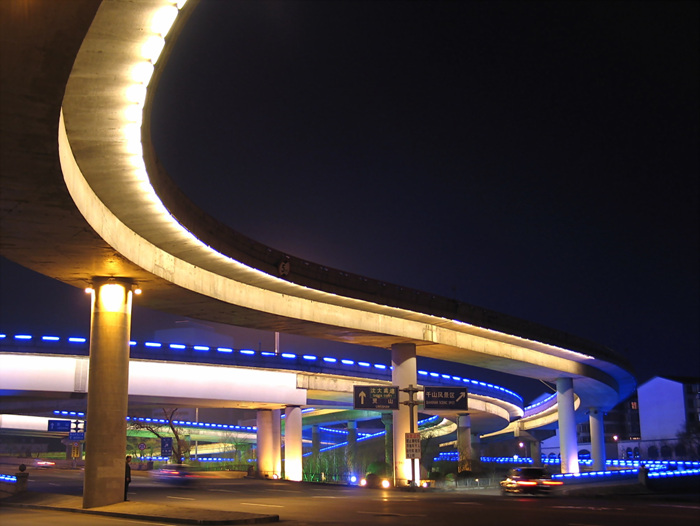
301	504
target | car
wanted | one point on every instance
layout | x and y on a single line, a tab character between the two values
373	480
42	463
529	481
175	474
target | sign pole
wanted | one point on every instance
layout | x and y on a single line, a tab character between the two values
411	403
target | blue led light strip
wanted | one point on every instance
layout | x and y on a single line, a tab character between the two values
380	367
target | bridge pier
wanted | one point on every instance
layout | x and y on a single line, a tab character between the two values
595	419
404	373
277	443
293	469
265	443
567	425
108	392
351	448
464	443
388	421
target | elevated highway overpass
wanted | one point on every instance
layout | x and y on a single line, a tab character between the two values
163	375
85	200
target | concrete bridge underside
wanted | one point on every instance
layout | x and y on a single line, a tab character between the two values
84	197
215	274
27	377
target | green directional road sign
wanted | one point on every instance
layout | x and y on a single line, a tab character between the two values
447	398
376	397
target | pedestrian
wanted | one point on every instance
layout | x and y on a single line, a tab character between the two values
127	476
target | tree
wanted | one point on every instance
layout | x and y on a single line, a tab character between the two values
180	445
239	447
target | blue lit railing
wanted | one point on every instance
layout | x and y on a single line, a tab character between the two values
162	421
366	436
540	406
515	459
657	469
52	344
8	478
673	473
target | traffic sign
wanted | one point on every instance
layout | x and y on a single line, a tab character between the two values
454	398
375	397
77	435
142	446
59	425
412	445
166	446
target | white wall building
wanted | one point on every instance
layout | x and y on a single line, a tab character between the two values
662	413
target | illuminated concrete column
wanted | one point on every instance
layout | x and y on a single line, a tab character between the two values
266	459
536	452
293	469
595	419
108	392
388	421
315	441
567	426
464	443
404	373
476	448
276	443
351	450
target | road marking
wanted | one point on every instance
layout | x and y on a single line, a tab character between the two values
688	507
590	508
388	514
263	505
225	490
179	498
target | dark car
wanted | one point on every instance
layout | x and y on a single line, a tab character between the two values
529	480
175	474
373	480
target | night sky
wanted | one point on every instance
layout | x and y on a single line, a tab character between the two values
535	158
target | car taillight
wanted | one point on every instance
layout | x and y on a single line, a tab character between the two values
527	483
553	482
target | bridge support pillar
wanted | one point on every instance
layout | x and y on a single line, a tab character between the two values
536	452
595	419
464	443
388	421
276	443
567	426
404	373
108	392
351	451
266	459
293	444
315	441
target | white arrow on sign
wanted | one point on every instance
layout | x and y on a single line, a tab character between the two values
461	395
362	396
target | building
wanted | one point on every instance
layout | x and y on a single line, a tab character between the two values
669	418
661	421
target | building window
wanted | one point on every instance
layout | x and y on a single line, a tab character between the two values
666	452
